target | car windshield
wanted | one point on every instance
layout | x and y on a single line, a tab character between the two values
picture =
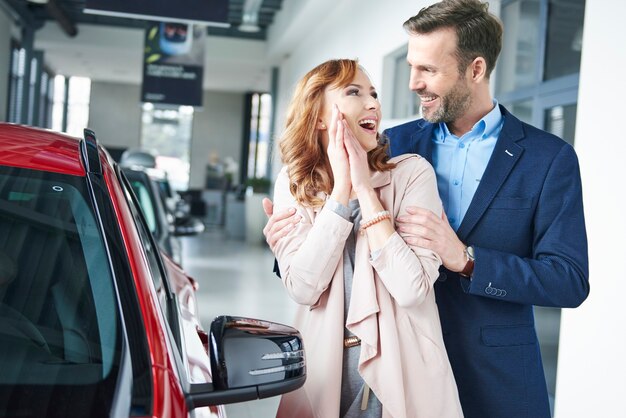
60	331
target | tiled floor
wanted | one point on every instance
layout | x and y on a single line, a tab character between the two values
236	278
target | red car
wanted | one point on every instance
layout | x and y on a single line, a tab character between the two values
94	320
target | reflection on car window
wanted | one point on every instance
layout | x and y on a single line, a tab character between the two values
151	251
146	204
59	322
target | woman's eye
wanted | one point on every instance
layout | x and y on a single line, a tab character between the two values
353	92
375	95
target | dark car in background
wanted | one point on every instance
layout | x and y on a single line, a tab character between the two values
160	222
94	321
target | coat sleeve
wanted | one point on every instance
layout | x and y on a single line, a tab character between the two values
557	272
409	272
309	255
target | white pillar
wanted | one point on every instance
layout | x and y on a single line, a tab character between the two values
591	379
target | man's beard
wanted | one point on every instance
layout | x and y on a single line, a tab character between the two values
453	105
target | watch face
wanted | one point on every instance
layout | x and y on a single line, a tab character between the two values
470	252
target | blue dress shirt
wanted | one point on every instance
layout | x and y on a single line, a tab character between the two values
460	162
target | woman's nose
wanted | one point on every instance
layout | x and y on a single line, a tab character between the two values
373	103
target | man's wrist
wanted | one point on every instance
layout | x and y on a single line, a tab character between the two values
468	270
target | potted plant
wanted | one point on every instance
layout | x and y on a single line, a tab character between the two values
258	185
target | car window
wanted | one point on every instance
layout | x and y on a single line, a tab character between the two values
149	211
150	249
60	330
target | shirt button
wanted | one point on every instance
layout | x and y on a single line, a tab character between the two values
455	182
452	221
461	146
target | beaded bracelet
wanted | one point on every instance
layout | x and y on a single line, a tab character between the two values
380	216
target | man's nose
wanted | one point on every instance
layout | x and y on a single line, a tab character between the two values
416	83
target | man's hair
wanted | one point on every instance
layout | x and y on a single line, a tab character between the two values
478	32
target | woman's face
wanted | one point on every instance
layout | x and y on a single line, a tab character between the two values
359	105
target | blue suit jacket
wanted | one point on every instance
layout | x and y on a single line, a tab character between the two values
527	227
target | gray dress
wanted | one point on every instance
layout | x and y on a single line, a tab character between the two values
352	385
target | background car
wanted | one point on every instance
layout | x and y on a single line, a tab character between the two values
160	222
178	209
93	320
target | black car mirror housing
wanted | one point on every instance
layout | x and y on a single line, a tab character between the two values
250	359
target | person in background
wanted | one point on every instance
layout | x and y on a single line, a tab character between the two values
513	234
367	311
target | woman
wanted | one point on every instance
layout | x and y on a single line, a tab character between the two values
371	329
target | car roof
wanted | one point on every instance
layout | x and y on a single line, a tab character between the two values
39	149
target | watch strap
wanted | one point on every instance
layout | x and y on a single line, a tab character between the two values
469	266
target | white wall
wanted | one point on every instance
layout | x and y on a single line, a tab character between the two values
591	379
217	128
363	29
115	114
5	61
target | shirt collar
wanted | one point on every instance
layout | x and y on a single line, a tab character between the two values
491	121
481	129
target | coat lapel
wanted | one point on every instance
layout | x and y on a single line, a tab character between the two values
425	146
504	157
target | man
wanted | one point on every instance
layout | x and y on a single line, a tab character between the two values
514	231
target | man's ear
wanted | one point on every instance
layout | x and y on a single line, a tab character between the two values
478	69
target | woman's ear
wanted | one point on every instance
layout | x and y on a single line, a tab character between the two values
321	125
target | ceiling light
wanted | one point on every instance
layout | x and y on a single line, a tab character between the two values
38	1
250	18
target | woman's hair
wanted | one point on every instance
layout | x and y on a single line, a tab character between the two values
301	145
478	32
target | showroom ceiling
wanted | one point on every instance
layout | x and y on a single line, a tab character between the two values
257	14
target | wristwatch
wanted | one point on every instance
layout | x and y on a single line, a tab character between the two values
469	266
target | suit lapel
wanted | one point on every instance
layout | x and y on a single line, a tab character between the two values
505	155
421	141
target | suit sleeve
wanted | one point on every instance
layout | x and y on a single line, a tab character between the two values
309	255
556	273
409	272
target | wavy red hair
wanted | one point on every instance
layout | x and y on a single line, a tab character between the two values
301	143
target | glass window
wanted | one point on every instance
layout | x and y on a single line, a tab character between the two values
523	110
146	204
258	153
564	38
151	251
167	133
60	333
16	84
561	121
58	103
521	43
405	103
78	105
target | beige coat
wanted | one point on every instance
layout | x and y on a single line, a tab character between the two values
392	308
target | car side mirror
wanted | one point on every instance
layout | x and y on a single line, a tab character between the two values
250	359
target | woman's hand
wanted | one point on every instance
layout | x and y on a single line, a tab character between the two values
338	158
357	157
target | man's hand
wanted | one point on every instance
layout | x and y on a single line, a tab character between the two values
279	224
421	227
